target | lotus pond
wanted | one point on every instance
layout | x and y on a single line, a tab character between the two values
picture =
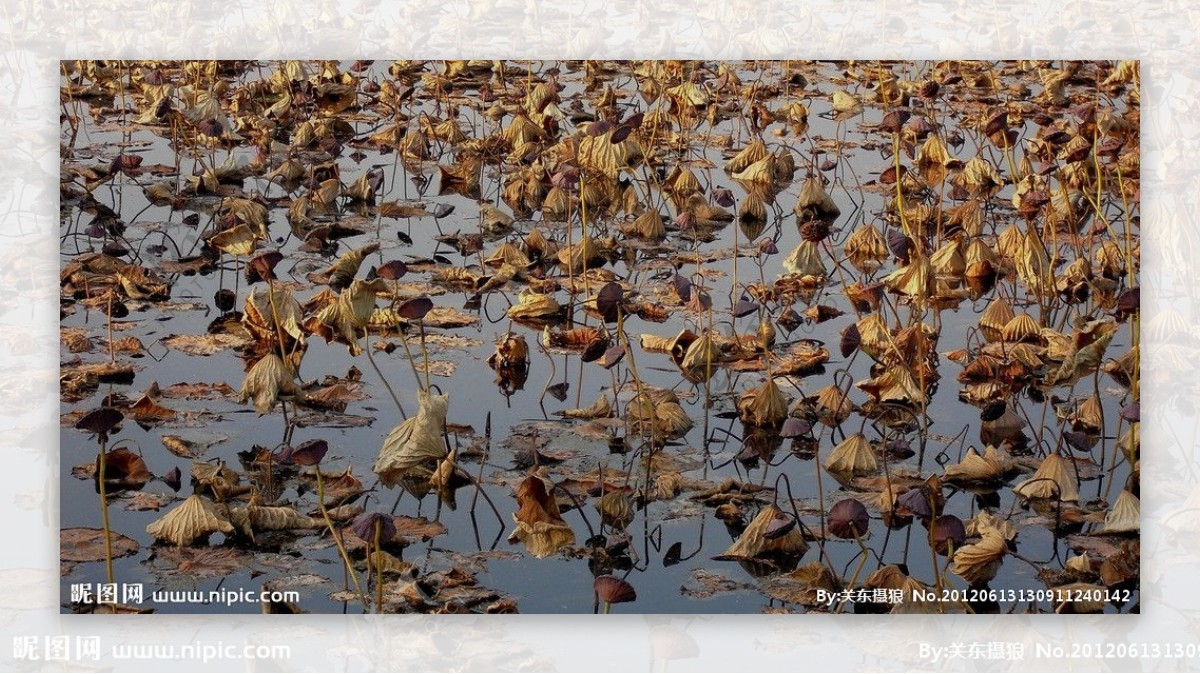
570	337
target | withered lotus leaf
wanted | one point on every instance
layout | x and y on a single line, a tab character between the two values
1125	514
763	405
252	518
660	415
979	562
192	520
948	534
534	306
616	508
597	410
125	468
83	544
987	521
269	311
613	590
493	220
100	421
803	586
239	240
754	151
805	260
754	542
1054	479
833	405
268	380
700	359
417	443
414	309
366	525
852	456
539	525
865	246
992	466
511	351
848	518
309	452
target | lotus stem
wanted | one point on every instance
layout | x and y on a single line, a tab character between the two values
337	539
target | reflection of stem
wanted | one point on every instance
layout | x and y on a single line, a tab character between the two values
424	352
378	568
100	470
411	362
337	537
371	359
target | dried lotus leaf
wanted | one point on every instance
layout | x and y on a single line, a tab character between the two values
948	260
755	151
814	203
805	260
194	519
1125	514
700	359
616	508
238	240
979	562
833	405
764	405
754	542
974	468
649	225
415	443
1054	479
914	279
539	525
493	220
534	306
267	381
986	521
852	456
994	318
597	410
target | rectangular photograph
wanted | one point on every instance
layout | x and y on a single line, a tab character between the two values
366	336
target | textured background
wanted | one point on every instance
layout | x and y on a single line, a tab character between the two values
35	35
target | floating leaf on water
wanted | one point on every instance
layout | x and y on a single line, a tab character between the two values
979	562
534	306
992	466
1125	514
193	520
87	545
539	525
754	543
1053	480
764	405
852	456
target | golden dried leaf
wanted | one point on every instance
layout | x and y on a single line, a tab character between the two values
979	562
1054	479
194	519
764	405
754	543
267	381
415	443
852	456
1125	515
